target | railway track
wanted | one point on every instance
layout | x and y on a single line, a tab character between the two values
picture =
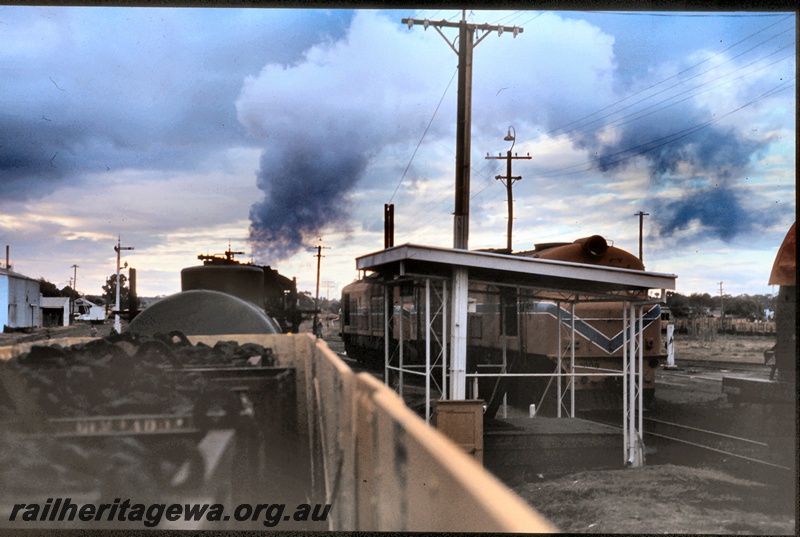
703	437
667	442
723	367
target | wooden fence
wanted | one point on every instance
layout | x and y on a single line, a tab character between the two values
699	326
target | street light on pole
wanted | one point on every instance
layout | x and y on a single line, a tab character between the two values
118	248
509	180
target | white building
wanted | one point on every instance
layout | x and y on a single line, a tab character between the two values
55	311
19	300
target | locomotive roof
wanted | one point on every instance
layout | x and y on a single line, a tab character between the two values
504	269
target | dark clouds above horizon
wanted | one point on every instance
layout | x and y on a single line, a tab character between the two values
689	118
105	89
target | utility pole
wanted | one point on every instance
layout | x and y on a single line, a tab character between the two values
74	286
641	216
467	41
328	284
118	248
721	306
316	299
509	180
75	277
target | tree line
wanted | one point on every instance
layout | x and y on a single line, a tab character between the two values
750	307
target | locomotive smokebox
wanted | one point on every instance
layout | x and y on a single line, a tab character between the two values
241	281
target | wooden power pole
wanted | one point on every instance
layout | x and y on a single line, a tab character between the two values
469	35
508	180
641	216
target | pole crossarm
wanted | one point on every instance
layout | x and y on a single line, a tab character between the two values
485	28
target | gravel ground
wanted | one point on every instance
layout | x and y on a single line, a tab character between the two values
660	499
690	498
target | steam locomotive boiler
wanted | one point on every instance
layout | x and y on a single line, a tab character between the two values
260	285
225	296
517	328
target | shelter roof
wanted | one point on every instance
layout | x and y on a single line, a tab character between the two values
510	270
55	301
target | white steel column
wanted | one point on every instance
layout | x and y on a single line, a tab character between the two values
625	366
444	339
504	336
427	350
572	361
635	444
631	386
400	349
388	309
640	391
458	362
558	369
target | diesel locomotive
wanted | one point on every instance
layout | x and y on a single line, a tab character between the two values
521	329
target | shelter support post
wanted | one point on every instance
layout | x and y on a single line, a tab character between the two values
558	364
458	359
427	350
633	317
572	360
388	310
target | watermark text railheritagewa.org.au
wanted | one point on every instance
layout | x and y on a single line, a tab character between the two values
151	515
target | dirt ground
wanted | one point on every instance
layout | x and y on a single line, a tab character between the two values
723	348
658	499
669	498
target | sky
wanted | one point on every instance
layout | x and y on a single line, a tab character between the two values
270	131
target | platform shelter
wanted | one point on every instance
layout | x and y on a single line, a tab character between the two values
444	369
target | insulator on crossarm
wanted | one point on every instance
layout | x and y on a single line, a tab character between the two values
410	23
516	31
499	31
425	23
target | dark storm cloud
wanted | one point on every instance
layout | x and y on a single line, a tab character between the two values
679	154
99	90
720	211
678	138
683	147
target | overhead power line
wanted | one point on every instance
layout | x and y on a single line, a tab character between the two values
677	75
423	135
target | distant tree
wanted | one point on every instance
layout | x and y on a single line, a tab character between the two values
678	305
332	305
70	292
48	289
700	304
742	306
305	300
110	290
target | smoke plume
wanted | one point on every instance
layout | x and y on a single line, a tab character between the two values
323	119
